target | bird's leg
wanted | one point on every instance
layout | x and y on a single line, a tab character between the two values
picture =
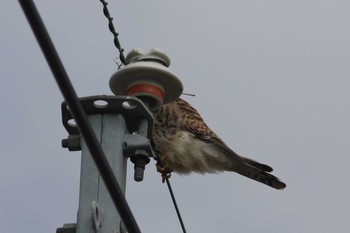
163	167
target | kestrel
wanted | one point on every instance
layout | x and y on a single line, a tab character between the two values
186	144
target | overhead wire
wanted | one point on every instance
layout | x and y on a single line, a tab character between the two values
175	205
78	113
112	29
165	177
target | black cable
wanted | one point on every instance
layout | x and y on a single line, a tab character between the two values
175	205
166	178
77	111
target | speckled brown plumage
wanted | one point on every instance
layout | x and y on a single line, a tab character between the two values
186	144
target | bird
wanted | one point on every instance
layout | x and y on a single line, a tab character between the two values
185	145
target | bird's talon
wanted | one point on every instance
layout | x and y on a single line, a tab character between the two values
165	171
165	176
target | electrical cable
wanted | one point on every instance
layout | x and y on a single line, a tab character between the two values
175	205
77	111
112	30
166	178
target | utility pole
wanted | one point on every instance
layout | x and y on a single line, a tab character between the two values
123	124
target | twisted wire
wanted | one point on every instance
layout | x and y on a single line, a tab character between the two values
112	29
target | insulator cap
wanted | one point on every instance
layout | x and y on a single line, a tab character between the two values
147	76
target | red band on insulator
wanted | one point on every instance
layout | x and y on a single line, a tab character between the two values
146	88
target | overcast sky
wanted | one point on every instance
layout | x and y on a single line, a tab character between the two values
270	77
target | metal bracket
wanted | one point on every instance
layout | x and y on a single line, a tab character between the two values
135	142
138	118
130	107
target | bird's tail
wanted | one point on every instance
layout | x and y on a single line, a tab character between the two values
258	172
258	165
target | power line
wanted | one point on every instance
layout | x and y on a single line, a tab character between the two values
175	205
166	178
76	109
112	29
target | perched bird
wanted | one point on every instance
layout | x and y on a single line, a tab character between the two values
185	144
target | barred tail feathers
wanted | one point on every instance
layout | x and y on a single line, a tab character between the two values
259	175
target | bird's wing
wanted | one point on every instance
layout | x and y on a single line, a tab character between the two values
194	123
249	168
192	120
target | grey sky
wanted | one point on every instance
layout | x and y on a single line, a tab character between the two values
271	78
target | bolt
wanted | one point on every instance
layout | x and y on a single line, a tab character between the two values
140	159
72	143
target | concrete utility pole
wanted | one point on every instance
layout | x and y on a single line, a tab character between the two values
123	124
